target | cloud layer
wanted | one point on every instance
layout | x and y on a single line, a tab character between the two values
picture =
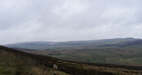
66	20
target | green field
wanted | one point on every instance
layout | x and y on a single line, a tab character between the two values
131	56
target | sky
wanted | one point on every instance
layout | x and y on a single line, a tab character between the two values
69	20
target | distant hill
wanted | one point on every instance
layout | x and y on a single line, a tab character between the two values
13	62
118	42
113	51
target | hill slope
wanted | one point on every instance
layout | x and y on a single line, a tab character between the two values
119	42
112	51
14	62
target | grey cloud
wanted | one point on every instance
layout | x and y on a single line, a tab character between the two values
66	20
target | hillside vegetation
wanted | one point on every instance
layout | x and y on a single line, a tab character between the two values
131	56
18	63
14	62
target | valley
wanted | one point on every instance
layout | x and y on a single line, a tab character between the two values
15	62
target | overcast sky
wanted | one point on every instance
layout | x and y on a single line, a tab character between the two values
69	20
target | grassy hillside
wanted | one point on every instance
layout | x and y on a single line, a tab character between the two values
14	62
18	63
